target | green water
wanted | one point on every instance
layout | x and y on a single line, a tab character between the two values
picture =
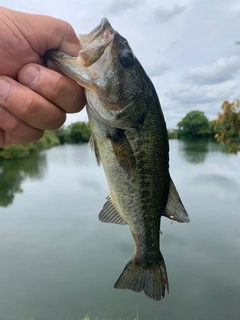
58	262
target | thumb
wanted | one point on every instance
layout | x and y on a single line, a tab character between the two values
44	33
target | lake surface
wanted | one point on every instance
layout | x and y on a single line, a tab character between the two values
58	262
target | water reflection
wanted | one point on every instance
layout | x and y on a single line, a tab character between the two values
58	261
195	151
14	172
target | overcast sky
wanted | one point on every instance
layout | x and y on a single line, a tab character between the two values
187	47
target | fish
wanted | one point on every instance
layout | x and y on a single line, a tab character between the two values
130	140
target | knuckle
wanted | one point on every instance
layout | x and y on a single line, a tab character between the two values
53	119
12	124
59	121
69	28
28	108
41	113
57	88
29	135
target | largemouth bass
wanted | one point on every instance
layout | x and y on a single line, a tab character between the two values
130	139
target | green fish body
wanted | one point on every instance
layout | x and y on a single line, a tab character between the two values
129	137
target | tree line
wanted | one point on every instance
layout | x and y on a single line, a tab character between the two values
225	129
195	125
78	132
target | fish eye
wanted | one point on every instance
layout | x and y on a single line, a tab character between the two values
126	59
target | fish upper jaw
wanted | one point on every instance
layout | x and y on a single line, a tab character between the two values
94	44
104	30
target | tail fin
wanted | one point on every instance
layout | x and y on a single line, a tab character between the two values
152	280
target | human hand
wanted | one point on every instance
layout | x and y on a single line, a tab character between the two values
34	98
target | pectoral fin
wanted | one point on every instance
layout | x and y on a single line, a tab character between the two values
110	214
174	209
94	147
122	149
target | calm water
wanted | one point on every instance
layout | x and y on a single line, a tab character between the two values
58	262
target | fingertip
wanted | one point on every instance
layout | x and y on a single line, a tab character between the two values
29	74
62	91
59	121
70	43
34	135
78	101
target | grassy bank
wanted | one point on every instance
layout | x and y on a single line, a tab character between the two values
77	132
22	151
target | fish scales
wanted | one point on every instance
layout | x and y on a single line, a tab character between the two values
129	138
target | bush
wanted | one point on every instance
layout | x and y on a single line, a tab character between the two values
77	132
194	125
22	151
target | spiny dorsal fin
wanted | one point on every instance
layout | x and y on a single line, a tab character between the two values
122	149
110	214
174	209
94	147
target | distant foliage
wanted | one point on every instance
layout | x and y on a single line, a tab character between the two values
172	134
79	132
75	133
194	125
16	151
22	151
227	126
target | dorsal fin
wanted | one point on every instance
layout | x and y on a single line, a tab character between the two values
110	214
174	209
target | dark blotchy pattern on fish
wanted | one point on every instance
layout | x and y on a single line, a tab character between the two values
129	138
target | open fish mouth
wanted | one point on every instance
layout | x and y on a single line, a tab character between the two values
94	44
104	30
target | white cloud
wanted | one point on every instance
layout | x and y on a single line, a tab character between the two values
193	60
120	6
163	15
187	93
157	70
220	71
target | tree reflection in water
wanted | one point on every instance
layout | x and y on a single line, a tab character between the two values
194	151
14	172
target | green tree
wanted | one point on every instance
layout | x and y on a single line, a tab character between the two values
63	134
194	125
79	132
227	126
172	134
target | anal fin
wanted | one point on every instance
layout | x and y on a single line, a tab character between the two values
174	209
110	214
94	147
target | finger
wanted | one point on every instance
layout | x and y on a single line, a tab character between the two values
15	131
59	89
29	106
61	37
